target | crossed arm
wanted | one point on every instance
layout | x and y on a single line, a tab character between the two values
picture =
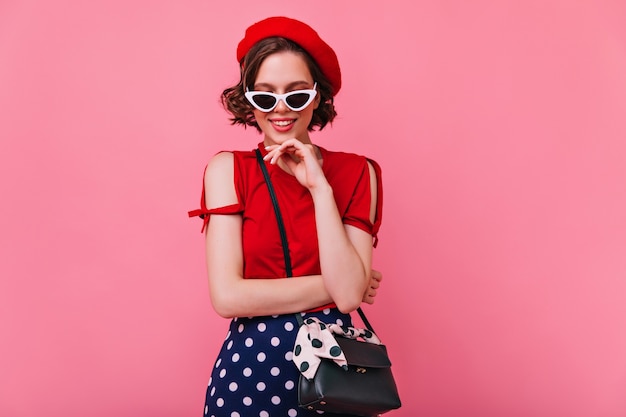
345	251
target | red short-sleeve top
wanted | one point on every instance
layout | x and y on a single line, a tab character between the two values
348	175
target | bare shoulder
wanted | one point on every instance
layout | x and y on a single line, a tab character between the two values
219	181
373	177
220	163
373	191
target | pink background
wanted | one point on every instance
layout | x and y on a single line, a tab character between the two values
500	126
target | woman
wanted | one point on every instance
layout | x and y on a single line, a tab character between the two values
331	205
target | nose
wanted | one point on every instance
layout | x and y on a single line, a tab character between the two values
281	107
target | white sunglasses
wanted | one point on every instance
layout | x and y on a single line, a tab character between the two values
295	100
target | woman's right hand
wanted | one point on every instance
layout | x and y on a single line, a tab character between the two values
372	289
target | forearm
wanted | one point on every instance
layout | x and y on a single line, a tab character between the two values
232	295
239	297
344	271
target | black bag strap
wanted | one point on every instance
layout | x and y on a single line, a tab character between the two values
279	217
283	235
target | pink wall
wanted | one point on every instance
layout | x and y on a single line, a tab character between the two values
501	131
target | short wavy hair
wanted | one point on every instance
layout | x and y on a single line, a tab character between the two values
234	99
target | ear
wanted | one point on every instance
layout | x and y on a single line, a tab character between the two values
317	101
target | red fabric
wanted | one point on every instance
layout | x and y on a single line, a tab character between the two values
348	174
205	214
300	33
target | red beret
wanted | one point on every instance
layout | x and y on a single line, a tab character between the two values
300	33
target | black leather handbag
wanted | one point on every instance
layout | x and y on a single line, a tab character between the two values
367	388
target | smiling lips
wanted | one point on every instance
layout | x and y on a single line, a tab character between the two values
282	125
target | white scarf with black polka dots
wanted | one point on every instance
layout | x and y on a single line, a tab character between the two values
315	341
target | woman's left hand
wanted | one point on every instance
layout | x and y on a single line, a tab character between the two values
300	159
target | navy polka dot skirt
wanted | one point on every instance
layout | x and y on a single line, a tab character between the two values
254	374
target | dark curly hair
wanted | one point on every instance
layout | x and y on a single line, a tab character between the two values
235	102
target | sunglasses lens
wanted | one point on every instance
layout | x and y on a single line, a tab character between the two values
264	101
297	100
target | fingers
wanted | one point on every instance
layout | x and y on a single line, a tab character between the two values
274	152
369	296
372	290
377	275
291	146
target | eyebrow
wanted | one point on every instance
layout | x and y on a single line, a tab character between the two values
288	87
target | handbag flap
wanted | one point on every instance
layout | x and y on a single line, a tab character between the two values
364	354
